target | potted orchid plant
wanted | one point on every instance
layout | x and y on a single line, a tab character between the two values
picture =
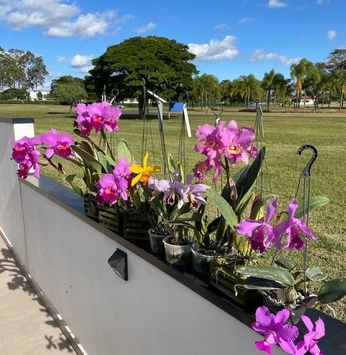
174	200
286	291
85	154
225	146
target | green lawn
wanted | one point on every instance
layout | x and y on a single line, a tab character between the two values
284	133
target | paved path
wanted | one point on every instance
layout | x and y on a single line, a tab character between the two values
26	327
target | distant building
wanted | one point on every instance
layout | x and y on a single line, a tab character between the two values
33	95
308	100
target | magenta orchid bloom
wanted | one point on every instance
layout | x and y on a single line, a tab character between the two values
24	153
261	234
294	227
98	116
23	147
237	142
311	338
112	186
275	330
59	144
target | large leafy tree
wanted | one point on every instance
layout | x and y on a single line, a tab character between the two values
68	89
21	69
163	65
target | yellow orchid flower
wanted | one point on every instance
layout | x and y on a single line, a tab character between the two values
143	172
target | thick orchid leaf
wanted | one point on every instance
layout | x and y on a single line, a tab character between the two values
262	284
248	177
88	159
315	202
171	164
332	291
75	187
224	208
314	273
286	264
95	146
124	150
86	146
107	167
268	272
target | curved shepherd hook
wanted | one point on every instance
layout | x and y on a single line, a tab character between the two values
306	175
307	170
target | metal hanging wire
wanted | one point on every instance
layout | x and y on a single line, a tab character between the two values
306	177
259	133
147	134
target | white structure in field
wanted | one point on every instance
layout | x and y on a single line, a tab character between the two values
33	95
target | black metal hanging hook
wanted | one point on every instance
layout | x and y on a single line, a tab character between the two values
306	173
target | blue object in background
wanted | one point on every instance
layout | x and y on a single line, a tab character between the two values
176	106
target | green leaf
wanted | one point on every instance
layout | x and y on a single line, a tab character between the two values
315	202
262	284
268	272
332	291
248	177
95	146
107	167
224	208
286	264
314	273
171	164
124	151
76	188
88	159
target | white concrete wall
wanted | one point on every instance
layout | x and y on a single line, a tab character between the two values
11	216
150	314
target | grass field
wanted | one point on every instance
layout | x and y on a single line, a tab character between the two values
284	133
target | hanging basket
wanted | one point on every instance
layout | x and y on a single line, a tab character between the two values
224	278
91	207
111	218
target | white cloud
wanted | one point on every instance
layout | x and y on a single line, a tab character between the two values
148	27
246	19
221	26
275	4
86	69
81	60
215	49
320	2
57	18
60	59
260	55
331	34
86	25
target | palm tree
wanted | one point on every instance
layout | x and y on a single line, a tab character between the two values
245	86
267	85
298	73
206	89
282	88
340	76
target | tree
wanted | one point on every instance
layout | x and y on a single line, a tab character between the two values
161	64
247	86
267	85
299	72
68	89
21	70
206	89
336	60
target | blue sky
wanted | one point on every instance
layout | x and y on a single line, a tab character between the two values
229	37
